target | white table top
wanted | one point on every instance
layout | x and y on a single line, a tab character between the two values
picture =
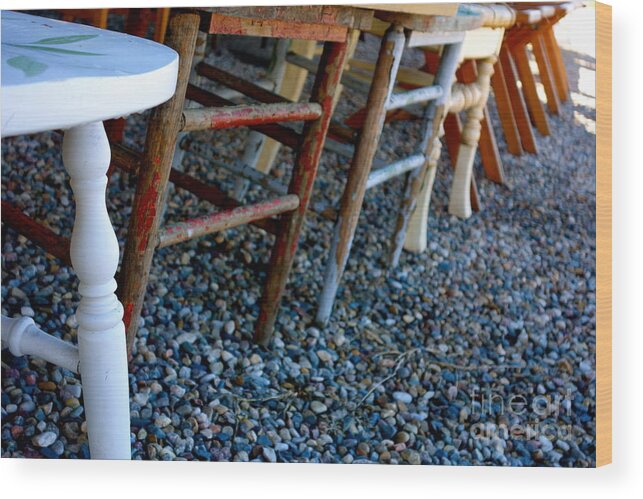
60	75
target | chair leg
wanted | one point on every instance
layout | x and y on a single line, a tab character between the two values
153	178
459	198
536	109
388	62
452	132
518	105
326	83
411	225
505	111
489	153
556	60
546	74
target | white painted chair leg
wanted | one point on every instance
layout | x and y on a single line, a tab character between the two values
416	240
101	333
460	195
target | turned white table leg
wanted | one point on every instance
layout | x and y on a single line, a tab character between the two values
460	196
101	333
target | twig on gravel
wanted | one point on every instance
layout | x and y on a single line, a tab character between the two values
265	399
398	363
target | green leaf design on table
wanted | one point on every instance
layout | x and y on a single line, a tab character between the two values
53	49
28	65
61	40
44	44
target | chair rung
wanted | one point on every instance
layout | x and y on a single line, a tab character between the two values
216	118
265	181
242	86
280	133
226	219
394	169
125	158
422	94
347	151
341	132
36	232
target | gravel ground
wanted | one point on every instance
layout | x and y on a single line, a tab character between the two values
478	352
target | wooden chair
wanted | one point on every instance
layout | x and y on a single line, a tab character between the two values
480	49
283	214
447	30
405	30
521	104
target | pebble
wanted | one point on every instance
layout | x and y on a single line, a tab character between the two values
324	356
269	454
27	312
318	407
44	439
229	327
404	397
162	421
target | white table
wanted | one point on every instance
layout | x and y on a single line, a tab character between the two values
58	75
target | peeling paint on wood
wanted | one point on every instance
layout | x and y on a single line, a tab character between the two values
234	116
197	227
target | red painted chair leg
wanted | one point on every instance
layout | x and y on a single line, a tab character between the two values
301	184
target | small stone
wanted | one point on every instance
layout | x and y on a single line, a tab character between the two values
162	421
27	312
18	293
141	398
229	327
411	456
48	386
324	356
408	318
177	391
318	407
269	454
403	397
71	391
28	406
363	449
44	439
71	321
545	444
402	437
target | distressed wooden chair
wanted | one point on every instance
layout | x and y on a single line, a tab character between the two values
405	28
514	83
409	30
283	214
479	53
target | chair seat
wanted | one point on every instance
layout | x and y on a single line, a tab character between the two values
60	75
